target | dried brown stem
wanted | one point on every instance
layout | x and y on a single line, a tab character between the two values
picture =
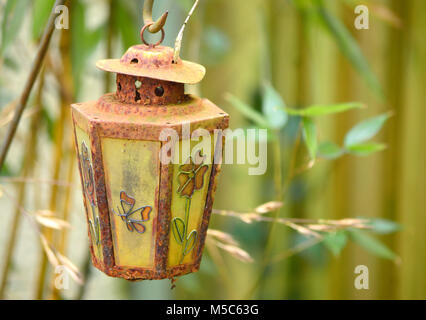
178	43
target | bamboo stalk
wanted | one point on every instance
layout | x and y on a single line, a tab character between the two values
61	241
67	204
65	80
28	168
341	173
279	190
410	171
394	85
58	154
62	129
303	98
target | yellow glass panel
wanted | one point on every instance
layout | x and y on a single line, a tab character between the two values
132	180
84	153
187	209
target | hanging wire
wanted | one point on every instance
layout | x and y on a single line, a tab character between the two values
178	43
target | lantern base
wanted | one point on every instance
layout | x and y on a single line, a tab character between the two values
140	226
139	274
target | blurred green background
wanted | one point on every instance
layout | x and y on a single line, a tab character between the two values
307	50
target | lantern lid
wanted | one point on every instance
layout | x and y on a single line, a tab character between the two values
154	62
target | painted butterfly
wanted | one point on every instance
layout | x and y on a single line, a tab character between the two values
127	204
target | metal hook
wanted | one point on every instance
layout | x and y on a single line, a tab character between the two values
156	26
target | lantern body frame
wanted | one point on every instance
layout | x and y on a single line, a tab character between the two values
106	129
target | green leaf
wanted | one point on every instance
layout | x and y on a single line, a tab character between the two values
335	241
273	107
329	150
310	136
247	111
384	226
350	48
40	16
366	149
321	110
12	20
365	130
372	245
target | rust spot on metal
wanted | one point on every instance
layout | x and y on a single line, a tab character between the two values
209	201
145	91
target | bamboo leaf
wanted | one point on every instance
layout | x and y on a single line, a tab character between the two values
336	241
365	130
329	150
247	111
321	110
310	137
372	245
366	149
273	107
384	226
350	48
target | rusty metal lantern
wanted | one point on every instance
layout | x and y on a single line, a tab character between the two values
146	219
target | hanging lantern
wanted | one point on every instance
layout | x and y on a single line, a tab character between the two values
147	219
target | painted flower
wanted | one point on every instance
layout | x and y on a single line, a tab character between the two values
191	176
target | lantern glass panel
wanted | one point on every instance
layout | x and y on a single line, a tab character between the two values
132	175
